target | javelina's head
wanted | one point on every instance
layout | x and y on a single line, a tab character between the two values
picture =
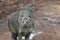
26	16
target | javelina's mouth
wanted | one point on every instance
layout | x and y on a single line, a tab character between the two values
26	26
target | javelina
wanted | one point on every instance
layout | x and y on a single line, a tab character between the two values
21	23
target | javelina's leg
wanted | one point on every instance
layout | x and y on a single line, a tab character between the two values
14	36
19	37
13	32
27	36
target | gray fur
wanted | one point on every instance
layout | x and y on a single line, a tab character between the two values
15	25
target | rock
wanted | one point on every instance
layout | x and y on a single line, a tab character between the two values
54	20
48	34
48	13
34	34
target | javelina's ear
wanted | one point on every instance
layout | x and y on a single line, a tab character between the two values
33	9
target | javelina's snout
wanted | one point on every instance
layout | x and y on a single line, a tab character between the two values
25	20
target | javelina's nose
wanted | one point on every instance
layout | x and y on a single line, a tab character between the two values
25	20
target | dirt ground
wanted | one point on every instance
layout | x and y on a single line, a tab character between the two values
47	20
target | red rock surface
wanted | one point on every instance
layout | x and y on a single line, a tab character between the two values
48	34
50	29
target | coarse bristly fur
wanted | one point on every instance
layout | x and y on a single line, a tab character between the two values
14	22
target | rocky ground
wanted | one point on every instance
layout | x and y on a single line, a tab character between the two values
47	20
